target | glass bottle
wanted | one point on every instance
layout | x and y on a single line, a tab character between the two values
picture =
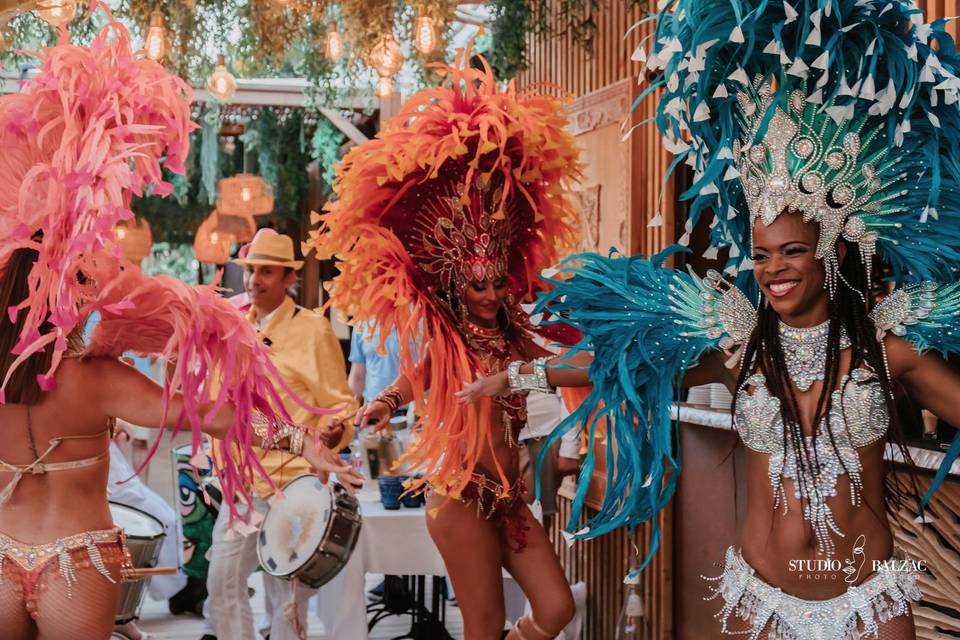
632	623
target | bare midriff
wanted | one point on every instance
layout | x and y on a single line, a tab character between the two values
782	548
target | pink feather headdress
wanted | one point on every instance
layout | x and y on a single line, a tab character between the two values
81	138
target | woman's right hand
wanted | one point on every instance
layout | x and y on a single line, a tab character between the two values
377	412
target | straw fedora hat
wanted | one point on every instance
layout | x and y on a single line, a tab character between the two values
270	247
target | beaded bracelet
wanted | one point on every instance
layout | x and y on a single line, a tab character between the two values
390	396
282	430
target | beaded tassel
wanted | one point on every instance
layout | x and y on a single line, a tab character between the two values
67	570
94	552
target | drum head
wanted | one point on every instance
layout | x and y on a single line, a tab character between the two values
294	527
135	523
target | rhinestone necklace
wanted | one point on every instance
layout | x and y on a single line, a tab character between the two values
805	352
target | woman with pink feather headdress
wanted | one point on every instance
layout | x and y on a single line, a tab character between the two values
82	137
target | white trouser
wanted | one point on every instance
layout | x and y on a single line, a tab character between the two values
125	487
233	557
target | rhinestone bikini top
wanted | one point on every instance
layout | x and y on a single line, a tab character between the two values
858	417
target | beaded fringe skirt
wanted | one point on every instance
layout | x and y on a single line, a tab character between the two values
882	597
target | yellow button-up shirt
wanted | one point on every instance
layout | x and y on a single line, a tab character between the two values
307	354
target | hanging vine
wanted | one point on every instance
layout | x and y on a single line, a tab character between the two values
513	20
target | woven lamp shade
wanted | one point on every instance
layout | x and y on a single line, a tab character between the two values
244	195
242	228
135	239
210	245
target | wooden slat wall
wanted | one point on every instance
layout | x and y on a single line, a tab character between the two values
566	63
935	9
602	563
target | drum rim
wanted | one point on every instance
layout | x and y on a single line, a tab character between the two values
263	566
162	533
206	443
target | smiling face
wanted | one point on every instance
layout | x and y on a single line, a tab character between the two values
484	299
267	285
785	268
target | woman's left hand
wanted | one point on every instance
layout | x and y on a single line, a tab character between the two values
488	387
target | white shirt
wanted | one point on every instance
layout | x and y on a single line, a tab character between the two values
544	413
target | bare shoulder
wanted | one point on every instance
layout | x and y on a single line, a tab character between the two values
89	375
901	355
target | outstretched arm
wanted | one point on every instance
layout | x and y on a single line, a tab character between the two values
573	371
127	394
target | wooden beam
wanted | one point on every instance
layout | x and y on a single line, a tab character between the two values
346	127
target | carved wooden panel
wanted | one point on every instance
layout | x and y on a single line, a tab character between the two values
589	198
595	120
935	542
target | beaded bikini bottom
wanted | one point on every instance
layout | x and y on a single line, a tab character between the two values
882	597
506	508
29	563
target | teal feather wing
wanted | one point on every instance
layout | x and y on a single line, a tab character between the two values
645	325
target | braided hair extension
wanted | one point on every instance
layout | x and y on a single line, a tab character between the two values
848	309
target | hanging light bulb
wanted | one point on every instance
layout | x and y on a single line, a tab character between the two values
334	43
56	12
425	34
120	232
155	44
221	83
245	194
384	86
386	56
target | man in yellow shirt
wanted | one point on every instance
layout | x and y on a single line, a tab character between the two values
307	353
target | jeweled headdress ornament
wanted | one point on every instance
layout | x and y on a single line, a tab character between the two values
467	183
844	111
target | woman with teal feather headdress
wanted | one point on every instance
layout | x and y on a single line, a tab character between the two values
821	133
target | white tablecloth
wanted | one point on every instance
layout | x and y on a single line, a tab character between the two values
391	542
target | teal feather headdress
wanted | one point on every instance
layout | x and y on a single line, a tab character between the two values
870	89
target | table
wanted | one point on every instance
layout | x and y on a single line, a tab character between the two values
394	542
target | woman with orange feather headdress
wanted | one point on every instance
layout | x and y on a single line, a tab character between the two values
442	224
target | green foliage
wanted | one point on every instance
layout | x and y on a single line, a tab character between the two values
173	259
210	153
325	149
511	20
514	19
293	182
268	147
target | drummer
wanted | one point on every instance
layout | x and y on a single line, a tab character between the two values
308	355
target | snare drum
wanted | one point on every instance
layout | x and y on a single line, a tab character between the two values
310	534
144	535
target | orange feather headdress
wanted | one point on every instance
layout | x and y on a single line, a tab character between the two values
466	183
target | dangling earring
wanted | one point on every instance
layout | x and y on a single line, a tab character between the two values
831	270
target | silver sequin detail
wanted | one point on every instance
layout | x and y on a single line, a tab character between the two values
767	609
858	417
792	167
805	351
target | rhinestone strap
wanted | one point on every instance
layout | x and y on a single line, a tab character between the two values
281	430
